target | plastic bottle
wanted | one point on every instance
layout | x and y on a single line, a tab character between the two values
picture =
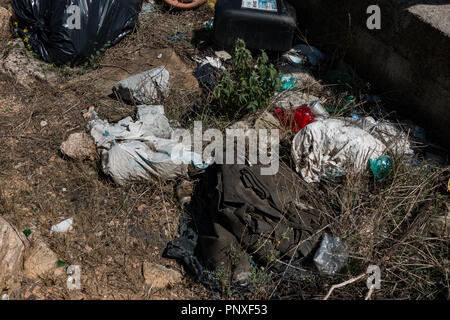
317	109
380	167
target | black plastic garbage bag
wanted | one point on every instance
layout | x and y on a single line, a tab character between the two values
70	31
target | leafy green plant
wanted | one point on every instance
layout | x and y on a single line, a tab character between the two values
95	58
251	83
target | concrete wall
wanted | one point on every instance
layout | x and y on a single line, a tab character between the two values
408	60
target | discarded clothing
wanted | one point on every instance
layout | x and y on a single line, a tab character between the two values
71	31
239	212
184	249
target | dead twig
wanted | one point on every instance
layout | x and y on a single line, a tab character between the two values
343	284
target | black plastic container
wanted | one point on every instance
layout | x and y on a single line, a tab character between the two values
260	29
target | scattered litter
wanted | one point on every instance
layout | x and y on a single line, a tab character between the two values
262	24
332	255
62	227
293	99
184	248
298	54
43	123
5	297
387	132
209	25
141	149
293	58
318	110
148	7
295	119
207	71
380	167
223	55
212	3
214	62
145	88
288	83
236	207
329	147
159	56
27	232
99	23
61	264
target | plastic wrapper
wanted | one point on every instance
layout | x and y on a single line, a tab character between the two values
332	255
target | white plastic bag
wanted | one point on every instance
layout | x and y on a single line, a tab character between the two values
146	87
331	147
141	149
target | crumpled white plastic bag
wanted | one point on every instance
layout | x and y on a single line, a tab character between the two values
146	87
331	147
141	149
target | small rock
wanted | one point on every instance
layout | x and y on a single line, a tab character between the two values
79	146
39	261
12	247
5	19
159	277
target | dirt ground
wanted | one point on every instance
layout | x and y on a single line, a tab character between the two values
117	229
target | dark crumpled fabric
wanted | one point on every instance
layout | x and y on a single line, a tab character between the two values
237	210
184	247
50	36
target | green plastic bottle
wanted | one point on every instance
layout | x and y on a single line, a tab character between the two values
380	167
